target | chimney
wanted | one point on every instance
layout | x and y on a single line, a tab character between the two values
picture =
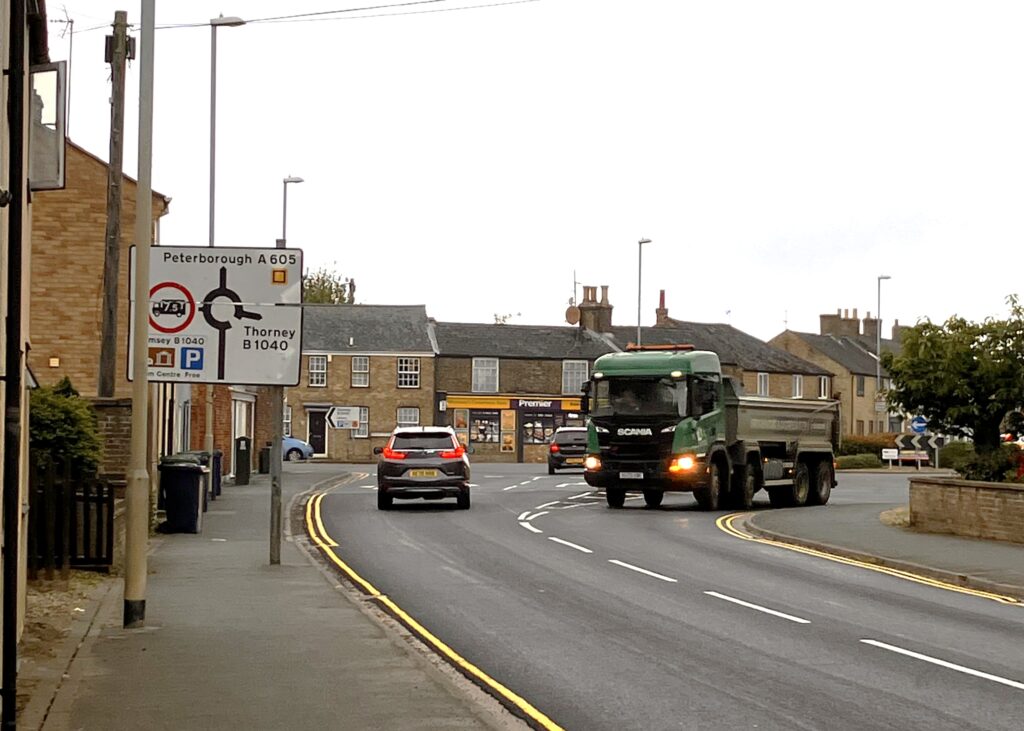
871	325
847	326
830	323
661	314
897	331
594	315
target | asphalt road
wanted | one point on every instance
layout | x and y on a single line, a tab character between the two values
656	619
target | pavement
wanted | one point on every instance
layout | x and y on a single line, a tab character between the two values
231	641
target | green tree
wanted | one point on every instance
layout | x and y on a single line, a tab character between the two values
326	286
62	427
964	377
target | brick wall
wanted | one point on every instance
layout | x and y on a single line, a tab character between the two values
114	422
68	232
992	510
221	422
382	398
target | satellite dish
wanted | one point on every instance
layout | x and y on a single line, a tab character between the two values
572	314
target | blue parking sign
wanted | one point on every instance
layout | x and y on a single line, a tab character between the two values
192	359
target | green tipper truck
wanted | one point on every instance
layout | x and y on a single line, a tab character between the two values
666	419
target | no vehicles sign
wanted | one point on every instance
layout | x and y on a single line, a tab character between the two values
223	315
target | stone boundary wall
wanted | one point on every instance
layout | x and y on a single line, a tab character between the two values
993	510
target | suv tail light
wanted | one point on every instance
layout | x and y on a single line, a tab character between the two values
454	453
554	449
389	453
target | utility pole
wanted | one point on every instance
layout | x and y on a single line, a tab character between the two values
117	55
138	491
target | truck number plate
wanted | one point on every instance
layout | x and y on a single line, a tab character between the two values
631	475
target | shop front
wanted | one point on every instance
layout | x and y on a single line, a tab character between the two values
510	428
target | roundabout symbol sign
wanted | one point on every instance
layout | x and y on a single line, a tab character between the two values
173	309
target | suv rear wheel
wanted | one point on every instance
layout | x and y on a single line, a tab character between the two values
462	500
384	500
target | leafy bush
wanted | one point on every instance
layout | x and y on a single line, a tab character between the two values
867	443
858	461
998	466
956	456
62	427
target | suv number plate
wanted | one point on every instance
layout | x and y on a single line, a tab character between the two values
422	473
631	475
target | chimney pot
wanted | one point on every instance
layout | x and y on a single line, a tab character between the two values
604	294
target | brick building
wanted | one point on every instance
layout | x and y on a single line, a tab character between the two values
379	358
846	346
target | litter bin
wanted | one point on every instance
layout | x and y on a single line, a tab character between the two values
217	471
182	487
264	461
243	460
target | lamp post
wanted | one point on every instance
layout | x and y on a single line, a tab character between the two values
277	416
284	210
639	281
878	337
215	23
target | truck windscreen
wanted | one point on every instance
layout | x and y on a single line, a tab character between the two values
639	397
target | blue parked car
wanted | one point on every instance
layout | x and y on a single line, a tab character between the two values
295	450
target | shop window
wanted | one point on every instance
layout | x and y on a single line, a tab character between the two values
798	386
574	374
408	416
538	428
408	372
360	371
484	426
485	375
762	384
318	371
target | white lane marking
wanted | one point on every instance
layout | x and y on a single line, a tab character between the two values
582	494
493	477
758	607
546	505
473	484
631	567
530	527
368	487
944	664
537	515
563	484
538	478
510	487
526	482
522	515
570	545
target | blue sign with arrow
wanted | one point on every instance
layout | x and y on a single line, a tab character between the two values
918	424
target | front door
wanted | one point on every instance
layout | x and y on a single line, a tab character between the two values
318	431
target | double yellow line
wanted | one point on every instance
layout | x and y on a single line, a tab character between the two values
319	535
726	523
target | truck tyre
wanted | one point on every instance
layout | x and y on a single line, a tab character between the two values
821	488
795	495
744	487
709	498
616	497
653	498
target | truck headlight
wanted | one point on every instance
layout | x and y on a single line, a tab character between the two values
683	463
592	463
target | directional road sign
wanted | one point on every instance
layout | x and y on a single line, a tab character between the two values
223	315
343	417
918	424
918	441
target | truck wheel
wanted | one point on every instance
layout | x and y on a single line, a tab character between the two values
744	488
709	498
822	487
653	498
795	495
615	496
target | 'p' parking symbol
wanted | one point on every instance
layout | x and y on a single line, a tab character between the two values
192	359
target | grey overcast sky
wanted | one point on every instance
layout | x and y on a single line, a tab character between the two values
780	155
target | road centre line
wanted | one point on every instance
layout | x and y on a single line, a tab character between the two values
944	664
510	487
570	545
522	515
631	567
758	607
537	515
541	477
547	505
582	494
529	527
526	482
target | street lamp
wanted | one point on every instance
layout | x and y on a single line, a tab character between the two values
878	337
215	23
639	281
284	211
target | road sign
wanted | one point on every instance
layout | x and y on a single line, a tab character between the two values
918	441
918	424
343	417
890	454
223	315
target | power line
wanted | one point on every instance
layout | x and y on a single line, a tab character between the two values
390	15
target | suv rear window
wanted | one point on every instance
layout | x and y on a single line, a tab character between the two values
425	441
570	437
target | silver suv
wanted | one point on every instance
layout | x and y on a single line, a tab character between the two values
422	462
